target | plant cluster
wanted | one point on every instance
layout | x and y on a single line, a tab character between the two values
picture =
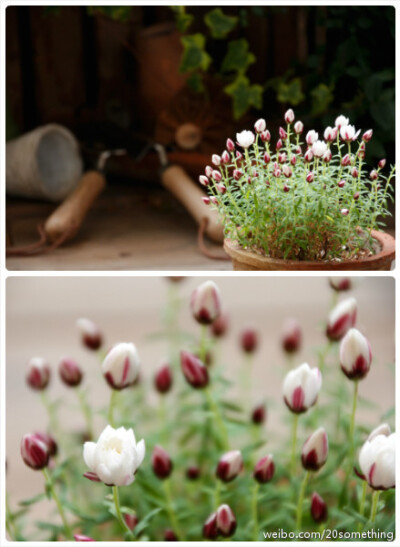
203	467
310	199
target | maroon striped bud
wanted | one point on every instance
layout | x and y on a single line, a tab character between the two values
193	472
216	175
206	200
51	444
249	340
169	535
220	325
367	135
163	378
354	172
381	163
267	157
229	466
91	335
259	414
264	469
266	136
194	370
346	160
291	337
226	521
161	463
315	450
319	510
237	174
373	175
34	451
206	303
225	158
289	116
131	521
340	283
341	319
282	133
286	188
293	160
310	176
230	145
70	372
282	158
308	156
279	144
341	183
210	530
38	373
356	195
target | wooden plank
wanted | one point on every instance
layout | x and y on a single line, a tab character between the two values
13	73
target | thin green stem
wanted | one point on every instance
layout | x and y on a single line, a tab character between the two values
171	514
111	406
362	502
86	410
53	422
203	344
120	517
49	482
299	516
10	524
218	418
374	508
163	420
344	495
217	495
254	510
294	443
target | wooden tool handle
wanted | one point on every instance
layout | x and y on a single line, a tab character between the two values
68	217
175	179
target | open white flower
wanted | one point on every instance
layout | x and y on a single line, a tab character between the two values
301	387
349	133
378	459
319	148
245	138
115	457
341	121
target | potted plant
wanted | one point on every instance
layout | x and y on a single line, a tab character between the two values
301	203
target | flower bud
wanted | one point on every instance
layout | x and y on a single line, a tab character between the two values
344	212
340	121
354	172
245	139
377	459
355	355
161	463
330	134
340	283
121	366
310	176
194	370
216	175
239	156
346	160
163	378
260	126
267	157
319	510
291	336
51	444
230	145
70	372
220	325
34	451
282	133
225	158
341	319
287	171
237	174
204	180
210	530
279	144
169	535
264	469
249	340
206	200
341	183
381	163
301	387
356	195
315	450
216	160
308	156
298	127
208	171
289	116
214	200
193	472
373	174
206	303
259	414
367	135
81	537
131	521
277	173
293	160
229	466
266	136
91	335
282	158
221	188
311	137
286	188
38	373
226	521
327	156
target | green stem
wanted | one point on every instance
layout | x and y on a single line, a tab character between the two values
362	502
10	524
203	344
163	420
86	411
374	508
322	356
299	516
111	407
120	517
50	411
49	482
218	418
171	514
217	495
344	495
254	512
294	443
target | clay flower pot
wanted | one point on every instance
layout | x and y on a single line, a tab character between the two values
250	260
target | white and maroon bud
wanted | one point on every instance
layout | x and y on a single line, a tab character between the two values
341	319
308	156
249	340
282	133
225	521
291	335
210	530
131	520
34	451
327	157
277	173
194	370
216	160
216	175
311	137
121	366
260	126
346	160
341	121
298	127
163	378
355	355
282	158
220	326
381	163
286	188
266	136
225	158
206	303
214	200
279	144
38	373
373	175
356	195
161	463
341	183
70	372
267	157
319	148
319	509
377	459
354	172
204	180
92	336
340	283
315	450
229	466
330	134
245	139
298	150
287	171
237	174
344	212
221	188
81	537
289	116
206	200
301	387
367	135
230	145
264	469
293	160
239	155
259	414
348	133
208	171
51	444
310	176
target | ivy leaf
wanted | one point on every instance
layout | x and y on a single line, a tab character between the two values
116	13
322	96
195	82
220	24
194	56
182	18
244	95
290	92
238	57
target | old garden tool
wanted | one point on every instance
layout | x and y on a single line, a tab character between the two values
64	223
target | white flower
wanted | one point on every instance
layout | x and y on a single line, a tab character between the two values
301	387
260	126
341	120
319	148
378	458
355	355
330	133
245	138
315	450
206	303
121	365
311	137
348	133
342	317
115	457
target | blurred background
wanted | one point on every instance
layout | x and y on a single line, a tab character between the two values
186	78
41	315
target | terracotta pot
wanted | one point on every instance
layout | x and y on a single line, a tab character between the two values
249	260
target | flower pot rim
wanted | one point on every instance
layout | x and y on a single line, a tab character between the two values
253	261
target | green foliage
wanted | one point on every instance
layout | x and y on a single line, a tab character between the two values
219	23
116	13
290	92
322	96
194	55
238	57
182	18
244	95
